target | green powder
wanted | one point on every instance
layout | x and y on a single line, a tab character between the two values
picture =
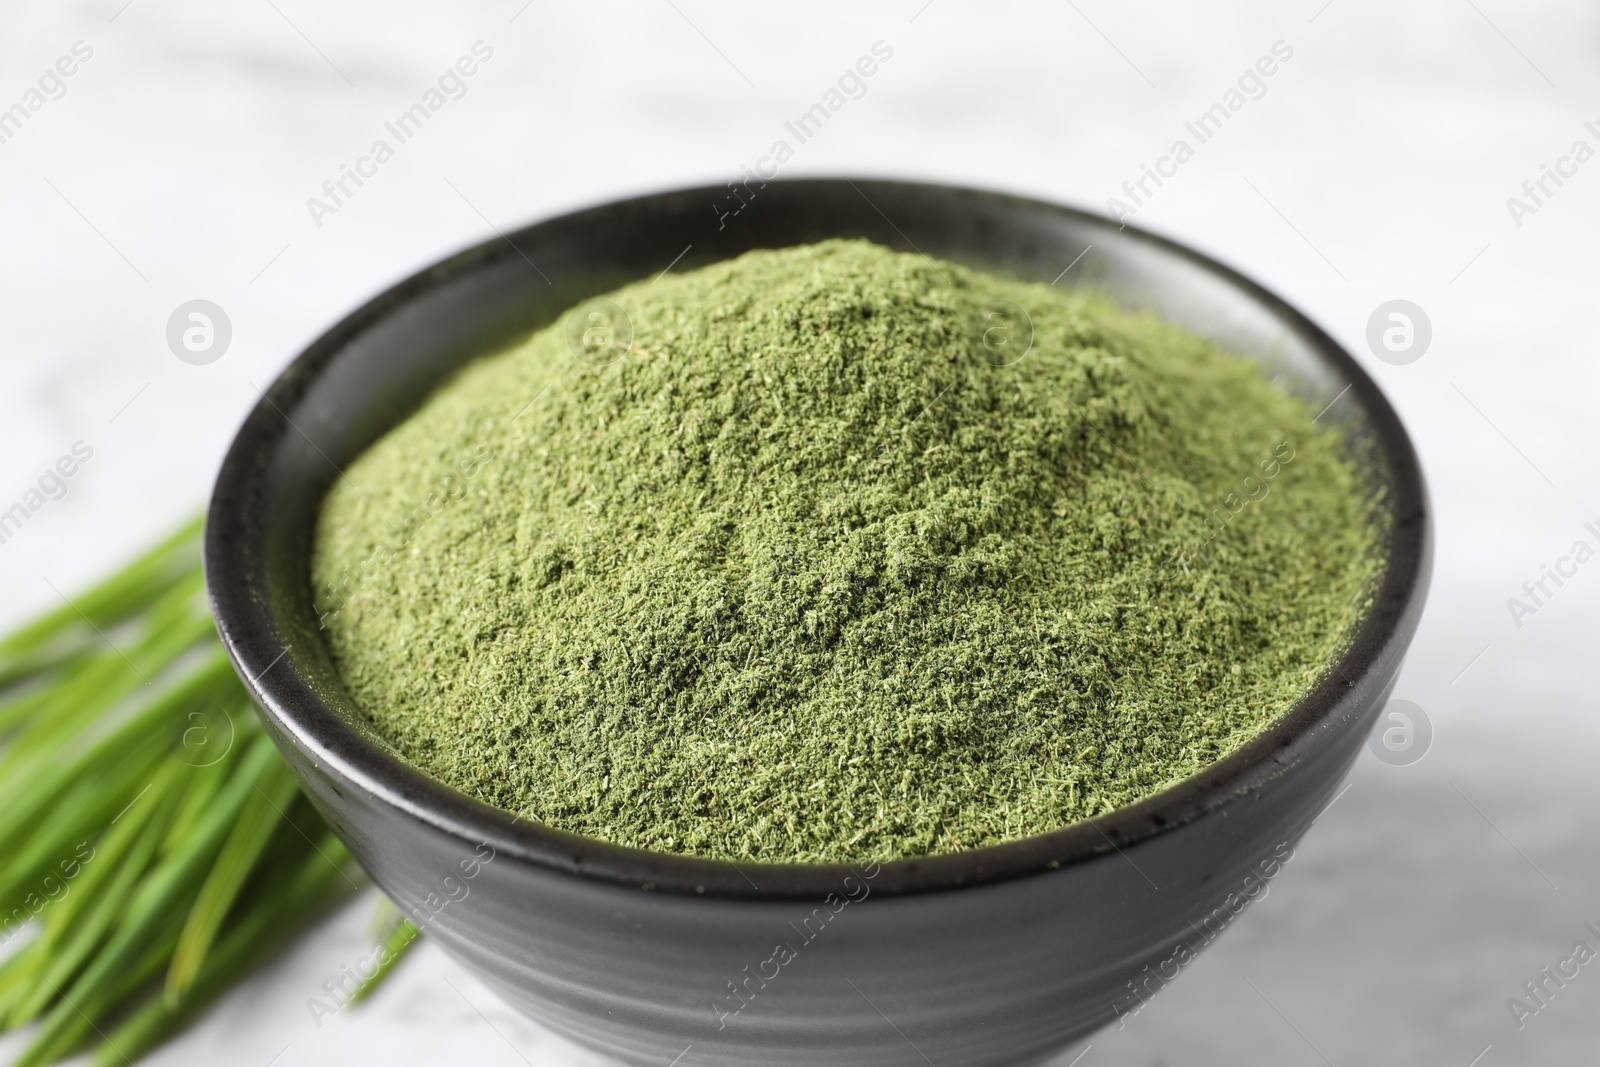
819	569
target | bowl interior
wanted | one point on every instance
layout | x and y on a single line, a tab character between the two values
371	370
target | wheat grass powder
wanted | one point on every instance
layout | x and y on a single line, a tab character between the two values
834	553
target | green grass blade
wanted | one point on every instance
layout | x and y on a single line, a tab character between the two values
97	696
16	974
24	795
145	815
71	706
257	822
313	890
37	664
78	1012
17	709
186	866
165	895
395	946
201	866
206	782
134	587
73	934
81	813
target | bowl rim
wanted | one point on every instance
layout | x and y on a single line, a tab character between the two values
299	718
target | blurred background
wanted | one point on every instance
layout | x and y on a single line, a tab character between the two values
1396	152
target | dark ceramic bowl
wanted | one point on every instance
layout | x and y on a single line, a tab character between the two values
1001	955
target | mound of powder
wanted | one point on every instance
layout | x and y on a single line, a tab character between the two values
849	555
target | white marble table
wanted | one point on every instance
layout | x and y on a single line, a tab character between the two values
176	162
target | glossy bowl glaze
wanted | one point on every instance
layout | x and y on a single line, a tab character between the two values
1002	955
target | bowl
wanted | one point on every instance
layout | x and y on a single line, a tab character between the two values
998	955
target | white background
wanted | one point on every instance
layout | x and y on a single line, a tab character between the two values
1377	166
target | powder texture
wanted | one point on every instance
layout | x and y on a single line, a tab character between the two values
833	564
